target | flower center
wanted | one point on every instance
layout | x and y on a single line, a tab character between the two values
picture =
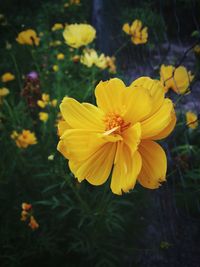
115	122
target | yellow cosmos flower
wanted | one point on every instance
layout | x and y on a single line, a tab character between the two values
138	35
43	116
60	56
90	58
77	35
111	64
192	120
57	26
177	79
118	135
28	37
3	92
54	102
55	68
24	139
7	77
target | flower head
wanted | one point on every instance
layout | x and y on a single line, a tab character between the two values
33	224
3	92
77	35
191	119
55	68
177	79
90	58
118	136
60	56
7	77
43	116
138	35
57	26
24	139
28	37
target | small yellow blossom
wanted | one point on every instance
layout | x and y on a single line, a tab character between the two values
177	79
24	139
46	98
90	58
60	56
7	77
33	224
77	35
41	104
118	135
138	35
76	58
192	120
3	92
197	49
66	5
57	26
110	61
55	68
43	116
51	157
24	215
75	2
54	102
28	37
26	206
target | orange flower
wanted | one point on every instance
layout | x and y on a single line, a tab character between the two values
33	224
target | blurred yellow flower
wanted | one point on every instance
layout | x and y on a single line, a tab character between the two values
54	102
75	2
118	135
24	215
90	58
60	56
51	157
138	35
76	58
3	92
7	77
41	104
192	120
45	98
110	61
177	79
197	49
43	116
55	68
24	139
33	224
77	35
55	43
28	37
26	206
57	26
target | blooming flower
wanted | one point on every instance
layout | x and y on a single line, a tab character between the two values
43	116
110	61
138	35
55	68
178	79
90	58
54	102
28	37
77	35
26	206
57	26
191	119
118	135
60	56
7	77
33	224
24	139
3	92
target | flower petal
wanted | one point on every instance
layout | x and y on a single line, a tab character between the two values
81	117
155	89
154	164
79	144
158	121
126	169
132	136
95	169
166	131
109	95
138	104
